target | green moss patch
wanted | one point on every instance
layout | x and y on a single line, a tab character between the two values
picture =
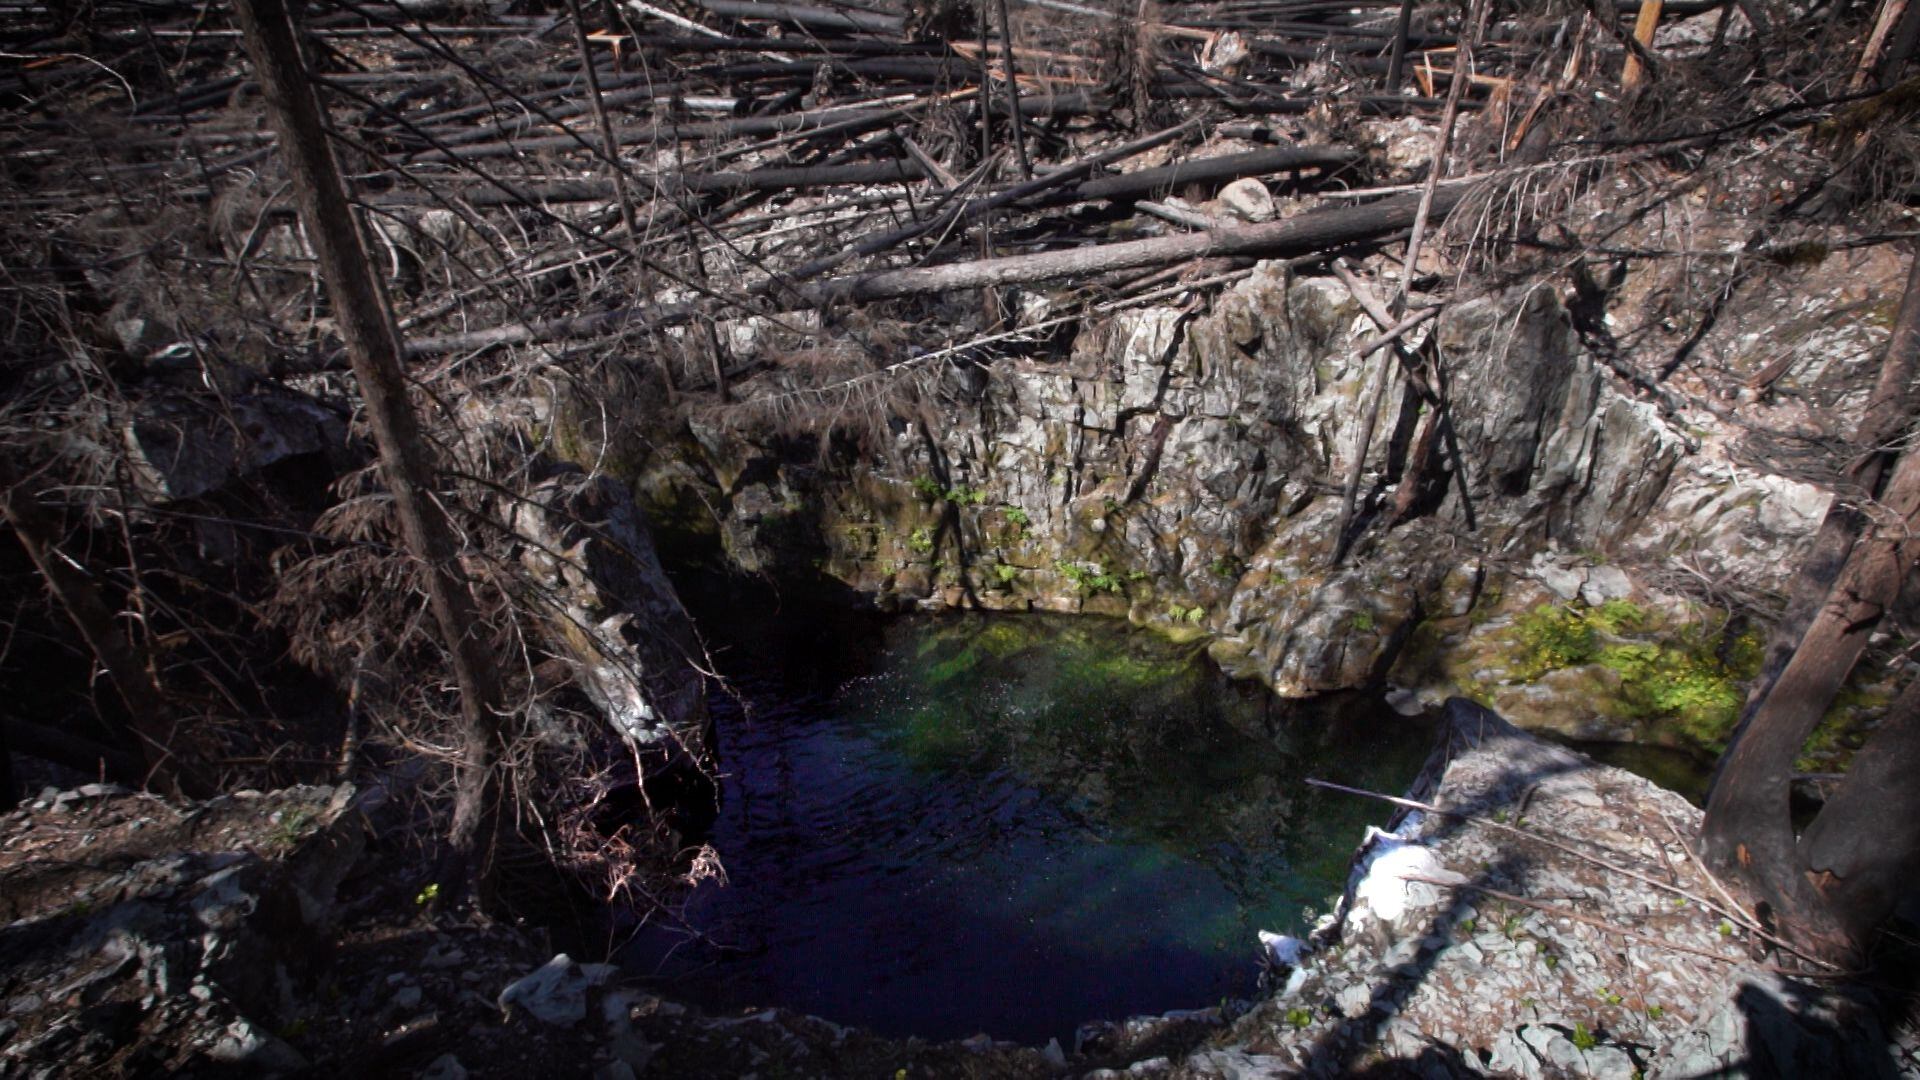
1685	679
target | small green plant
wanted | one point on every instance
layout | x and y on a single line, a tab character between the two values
1583	1040
288	828
1551	961
427	895
1299	1019
1017	516
966	496
1225	567
1005	574
921	541
928	488
1361	621
1608	996
1466	927
1655	1012
1098	579
1726	928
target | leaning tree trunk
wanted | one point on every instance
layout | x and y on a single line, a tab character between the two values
1827	893
1889	410
373	348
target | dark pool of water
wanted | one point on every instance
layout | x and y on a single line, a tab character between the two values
1676	770
1014	825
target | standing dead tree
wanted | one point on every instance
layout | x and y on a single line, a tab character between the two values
373	348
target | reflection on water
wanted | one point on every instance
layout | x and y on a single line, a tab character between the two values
1013	825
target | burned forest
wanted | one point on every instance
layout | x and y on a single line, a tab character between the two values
1025	538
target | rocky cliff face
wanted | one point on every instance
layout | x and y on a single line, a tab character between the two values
1182	467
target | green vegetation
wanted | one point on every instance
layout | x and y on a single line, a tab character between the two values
930	490
1299	1019
1583	1040
921	541
1194	615
288	826
1689	677
1226	567
1094	580
1361	621
1005	574
1016	516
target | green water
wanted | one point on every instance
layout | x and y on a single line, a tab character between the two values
1016	824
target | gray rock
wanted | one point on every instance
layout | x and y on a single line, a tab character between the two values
242	1044
1606	583
557	992
1564	582
634	1052
1246	199
444	1067
1354	1001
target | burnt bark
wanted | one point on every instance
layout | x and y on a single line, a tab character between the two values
1301	235
1748	831
1862	852
1889	411
373	349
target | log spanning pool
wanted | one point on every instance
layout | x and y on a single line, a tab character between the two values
1013	825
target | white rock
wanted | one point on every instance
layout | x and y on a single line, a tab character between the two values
1246	199
1384	888
557	993
1606	583
1284	948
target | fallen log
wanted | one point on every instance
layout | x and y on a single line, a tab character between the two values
1319	230
508	193
1213	170
846	120
1302	235
807	16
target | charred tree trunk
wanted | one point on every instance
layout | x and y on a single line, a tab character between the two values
1822	889
373	348
1888	412
1862	853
